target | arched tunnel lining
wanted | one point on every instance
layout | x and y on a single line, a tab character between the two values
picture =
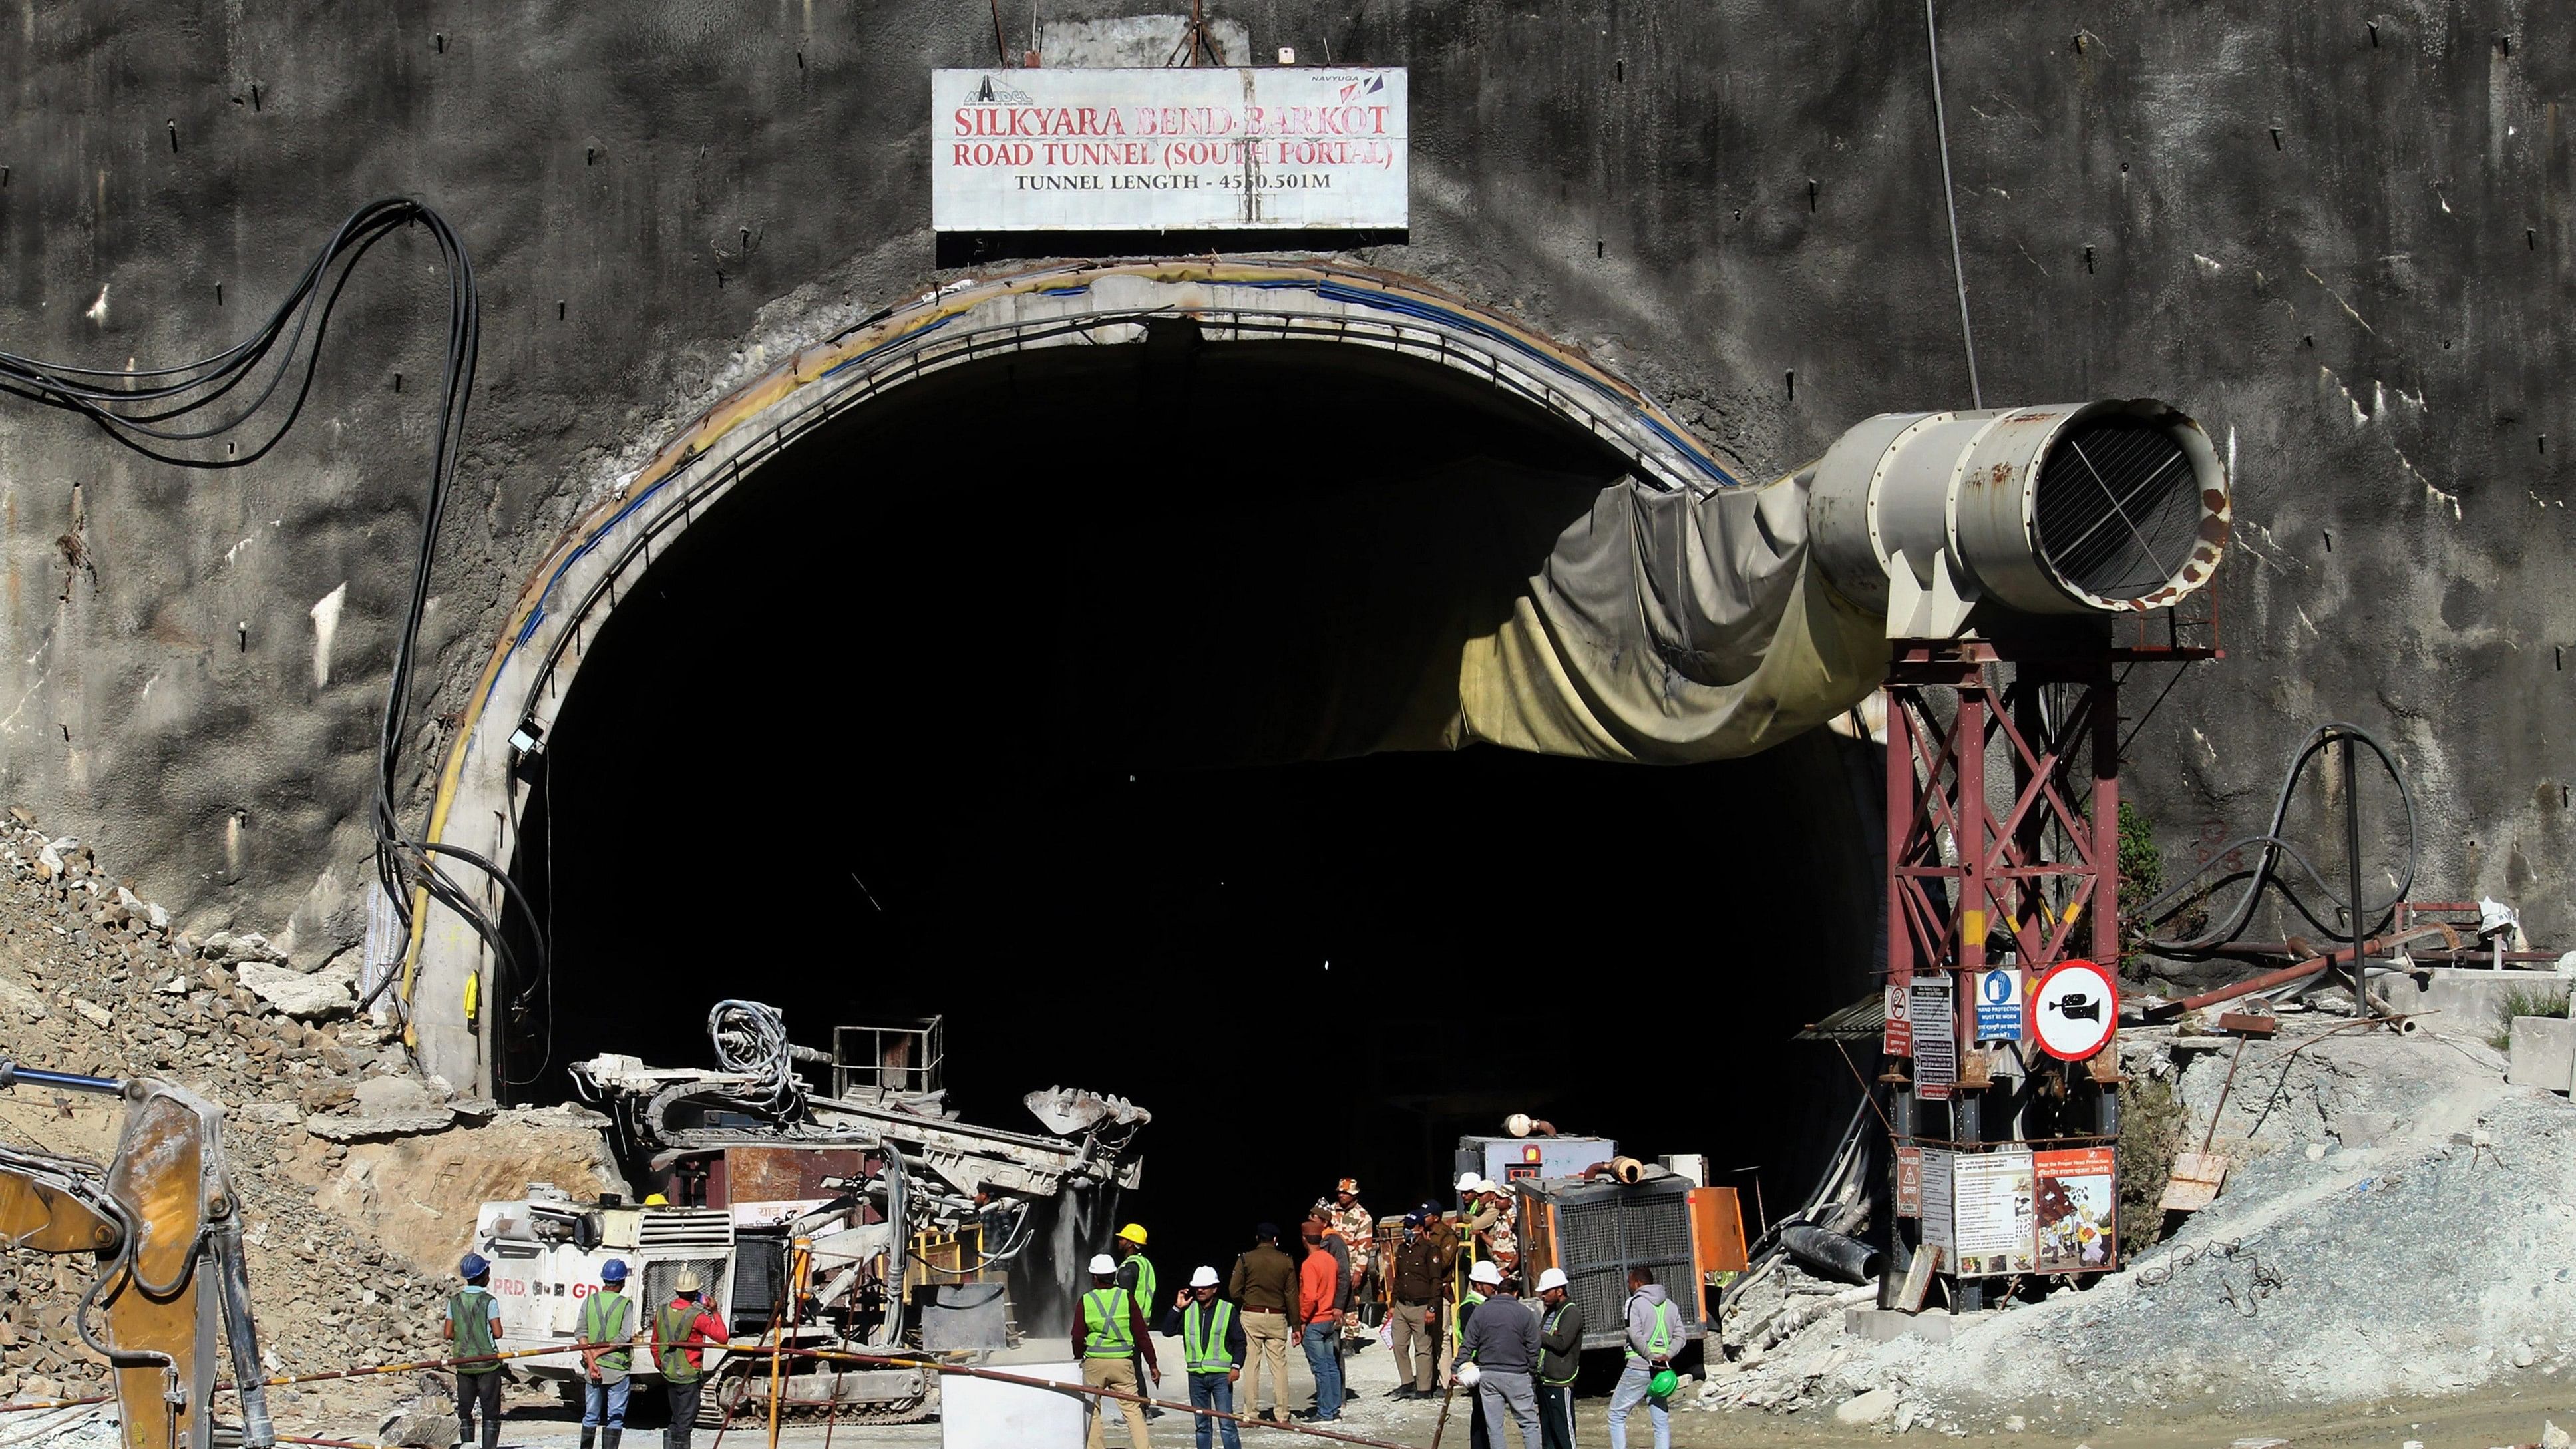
1037	695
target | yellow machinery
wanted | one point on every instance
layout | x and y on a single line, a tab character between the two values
165	1225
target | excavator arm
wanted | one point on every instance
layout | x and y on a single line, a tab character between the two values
165	1225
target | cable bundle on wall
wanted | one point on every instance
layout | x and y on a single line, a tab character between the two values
170	414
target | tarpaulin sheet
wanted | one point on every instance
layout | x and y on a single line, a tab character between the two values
1667	628
1434	607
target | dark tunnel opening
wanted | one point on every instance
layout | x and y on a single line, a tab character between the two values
1038	695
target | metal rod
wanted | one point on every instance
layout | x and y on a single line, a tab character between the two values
1950	200
2352	844
14	1075
2288	974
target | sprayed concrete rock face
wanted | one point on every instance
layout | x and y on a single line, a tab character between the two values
192	665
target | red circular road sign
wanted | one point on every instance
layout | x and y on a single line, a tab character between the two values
2074	1010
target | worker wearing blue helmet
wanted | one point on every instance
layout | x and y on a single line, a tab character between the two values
606	1337
473	1331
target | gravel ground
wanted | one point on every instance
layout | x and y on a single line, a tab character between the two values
2400	1223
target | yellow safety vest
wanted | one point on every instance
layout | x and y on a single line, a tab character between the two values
1108	1331
1205	1352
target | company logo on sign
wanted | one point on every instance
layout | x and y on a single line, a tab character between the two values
991	92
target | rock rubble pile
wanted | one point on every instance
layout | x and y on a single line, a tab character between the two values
96	980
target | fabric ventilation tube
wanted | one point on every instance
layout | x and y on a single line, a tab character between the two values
2068	508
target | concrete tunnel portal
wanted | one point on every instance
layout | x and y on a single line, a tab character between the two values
1075	694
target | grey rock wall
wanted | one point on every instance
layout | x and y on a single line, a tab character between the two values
2350	260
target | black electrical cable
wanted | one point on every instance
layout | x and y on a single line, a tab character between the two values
2241	914
143	409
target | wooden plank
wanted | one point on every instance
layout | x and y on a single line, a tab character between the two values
2197	1176
2248	1023
1918	1279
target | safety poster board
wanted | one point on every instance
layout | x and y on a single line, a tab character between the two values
1938	1175
2076	1205
1898	1038
1169	148
1992	1199
1933	1008
1999	1010
1909	1182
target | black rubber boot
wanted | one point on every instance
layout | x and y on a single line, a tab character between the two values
610	1439
587	1437
491	1434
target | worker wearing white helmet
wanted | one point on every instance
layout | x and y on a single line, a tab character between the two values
1560	1347
1108	1338
1502	1344
1470	1224
1213	1349
682	1328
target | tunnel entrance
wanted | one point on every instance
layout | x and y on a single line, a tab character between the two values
1045	694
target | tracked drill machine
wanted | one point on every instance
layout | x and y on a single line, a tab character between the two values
869	1220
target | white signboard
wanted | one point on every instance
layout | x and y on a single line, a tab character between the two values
1998	1226
1938	1166
1169	149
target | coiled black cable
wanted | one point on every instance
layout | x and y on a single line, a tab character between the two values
2238	916
156	411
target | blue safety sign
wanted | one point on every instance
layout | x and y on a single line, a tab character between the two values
1999	1009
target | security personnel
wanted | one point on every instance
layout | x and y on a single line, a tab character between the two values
1358	1228
607	1325
1109	1338
1264	1284
1416	1288
473	1330
1212	1350
681	1330
1136	1275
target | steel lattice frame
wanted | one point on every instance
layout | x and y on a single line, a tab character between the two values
2044	862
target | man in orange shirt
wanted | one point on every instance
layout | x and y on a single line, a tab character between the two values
1319	1306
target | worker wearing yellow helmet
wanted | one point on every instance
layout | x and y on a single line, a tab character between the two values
1136	1275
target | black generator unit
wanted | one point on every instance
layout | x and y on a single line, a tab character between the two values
1597	1231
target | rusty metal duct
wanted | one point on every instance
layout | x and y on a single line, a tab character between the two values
2070	508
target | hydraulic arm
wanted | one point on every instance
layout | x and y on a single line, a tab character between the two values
165	1225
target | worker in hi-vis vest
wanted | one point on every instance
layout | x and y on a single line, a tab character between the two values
473	1330
1136	1275
1212	1351
682	1328
607	1329
1654	1334
1109	1337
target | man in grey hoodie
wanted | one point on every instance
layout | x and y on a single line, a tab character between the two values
1654	1335
1502	1342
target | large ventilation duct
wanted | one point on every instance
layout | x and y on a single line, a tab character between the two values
2070	508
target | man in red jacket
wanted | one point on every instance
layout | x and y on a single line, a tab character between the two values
682	1328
